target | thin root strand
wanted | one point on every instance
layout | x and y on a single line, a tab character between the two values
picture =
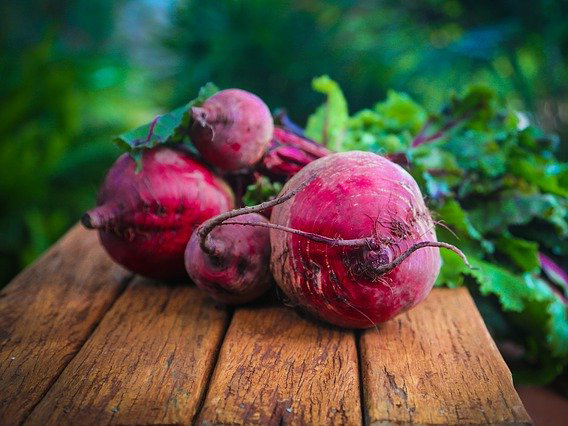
393	264
206	227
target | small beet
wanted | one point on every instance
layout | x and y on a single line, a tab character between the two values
230	258
146	218
232	129
231	263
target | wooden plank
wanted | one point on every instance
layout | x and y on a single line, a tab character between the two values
46	313
437	364
277	368
147	362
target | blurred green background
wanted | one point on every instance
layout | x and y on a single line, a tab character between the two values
73	74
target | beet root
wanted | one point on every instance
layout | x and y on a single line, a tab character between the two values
234	267
145	219
365	248
229	258
232	129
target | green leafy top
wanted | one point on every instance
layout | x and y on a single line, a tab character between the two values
262	190
166	128
498	188
327	125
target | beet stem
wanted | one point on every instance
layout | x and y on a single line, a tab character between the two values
310	235
152	126
206	227
360	242
391	265
287	124
422	138
288	138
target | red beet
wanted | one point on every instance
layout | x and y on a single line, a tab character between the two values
368	249
232	129
145	219
231	262
229	258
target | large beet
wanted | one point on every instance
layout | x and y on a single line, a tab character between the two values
145	219
381	256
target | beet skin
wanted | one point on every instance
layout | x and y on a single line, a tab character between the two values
235	267
145	219
232	129
354	196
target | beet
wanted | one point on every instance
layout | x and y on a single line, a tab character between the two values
231	262
364	249
146	218
232	129
229	258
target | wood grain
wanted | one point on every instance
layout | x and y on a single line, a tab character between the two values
148	362
437	364
277	368
150	359
46	313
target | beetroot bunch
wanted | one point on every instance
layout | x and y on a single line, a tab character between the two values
349	238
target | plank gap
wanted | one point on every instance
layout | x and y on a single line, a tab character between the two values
277	367
124	284
46	314
364	417
230	313
437	364
147	362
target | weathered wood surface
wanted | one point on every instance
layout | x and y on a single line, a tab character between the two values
76	349
46	313
437	364
277	368
148	362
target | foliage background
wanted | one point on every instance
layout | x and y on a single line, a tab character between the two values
76	73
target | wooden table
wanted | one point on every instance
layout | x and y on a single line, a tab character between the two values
84	342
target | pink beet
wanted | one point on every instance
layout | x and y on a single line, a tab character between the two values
229	258
230	262
145	219
232	129
364	249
